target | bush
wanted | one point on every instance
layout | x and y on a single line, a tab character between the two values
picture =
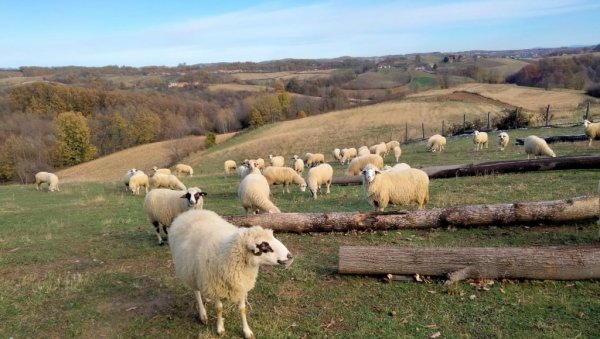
511	118
211	140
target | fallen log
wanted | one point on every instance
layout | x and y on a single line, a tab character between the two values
555	211
557	263
498	167
557	138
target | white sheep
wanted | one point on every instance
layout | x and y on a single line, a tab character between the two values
284	176
160	170
363	150
278	161
348	154
480	139
313	159
48	178
163	205
254	192
397	167
167	181
358	163
220	261
379	149
397	153
395	187
436	143
392	144
298	165
127	176
138	180
243	170
503	139
537	146
183	168
337	154
592	130
317	176
229	166
260	163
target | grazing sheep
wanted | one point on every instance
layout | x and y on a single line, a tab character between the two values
503	139
391	144
317	176
137	181
480	139
313	159
397	167
436	143
221	261
537	146
363	150
160	170
127	176
397	153
592	130
183	168
167	181
379	149
284	176
337	154
277	161
348	154
229	166
48	178
163	205
358	163
395	187
254	192
298	165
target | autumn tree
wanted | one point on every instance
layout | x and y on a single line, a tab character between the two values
144	127
73	139
256	119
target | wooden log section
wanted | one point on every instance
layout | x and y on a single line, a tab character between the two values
555	211
557	263
558	138
497	167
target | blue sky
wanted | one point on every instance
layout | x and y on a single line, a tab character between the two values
151	32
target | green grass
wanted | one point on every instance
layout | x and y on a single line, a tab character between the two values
84	262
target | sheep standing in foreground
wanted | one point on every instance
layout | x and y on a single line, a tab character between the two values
48	178
254	192
537	146
127	176
277	161
220	261
138	180
358	163
436	143
397	153
183	168
163	205
348	154
480	139
229	166
298	165
284	176
503	139
592	130
160	170
167	181
317	176
401	187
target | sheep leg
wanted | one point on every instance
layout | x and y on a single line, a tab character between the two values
328	184
220	320
201	308
247	331
157	228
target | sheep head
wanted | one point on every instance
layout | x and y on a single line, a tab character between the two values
266	249
369	173
193	196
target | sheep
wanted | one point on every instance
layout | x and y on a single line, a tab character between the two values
391	144
219	260
167	181
49	178
592	130
503	139
284	176
260	163
254	192
348	154
379	149
395	187
358	163
313	159
277	161
137	181
480	139
436	143
397	167
163	205
337	154
229	166
397	153
160	170
317	176
363	150
183	168
127	176
298	165
537	146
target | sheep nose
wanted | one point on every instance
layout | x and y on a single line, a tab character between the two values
289	256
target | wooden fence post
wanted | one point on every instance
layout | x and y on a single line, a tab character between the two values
443	127
423	129
488	125
587	111
547	115
406	133
464	122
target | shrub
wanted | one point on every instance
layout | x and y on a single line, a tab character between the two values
211	140
511	118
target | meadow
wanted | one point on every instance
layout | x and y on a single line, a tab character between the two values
84	262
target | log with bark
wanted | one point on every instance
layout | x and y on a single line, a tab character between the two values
556	211
558	263
557	138
498	167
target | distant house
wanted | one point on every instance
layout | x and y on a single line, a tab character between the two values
183	84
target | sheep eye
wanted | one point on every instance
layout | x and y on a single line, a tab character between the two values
197	196
264	247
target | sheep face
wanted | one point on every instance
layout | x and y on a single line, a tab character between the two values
586	123
369	173
303	187
266	249
193	196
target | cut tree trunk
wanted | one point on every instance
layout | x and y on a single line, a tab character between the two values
558	138
556	211
558	263
498	167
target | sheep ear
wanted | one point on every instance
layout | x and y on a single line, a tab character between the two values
203	194
254	249
185	196
377	171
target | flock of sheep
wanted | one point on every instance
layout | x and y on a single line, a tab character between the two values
220	261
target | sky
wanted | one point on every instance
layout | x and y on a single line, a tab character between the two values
168	33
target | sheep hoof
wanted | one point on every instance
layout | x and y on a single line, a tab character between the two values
249	335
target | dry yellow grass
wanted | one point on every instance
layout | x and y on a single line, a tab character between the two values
237	88
282	75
